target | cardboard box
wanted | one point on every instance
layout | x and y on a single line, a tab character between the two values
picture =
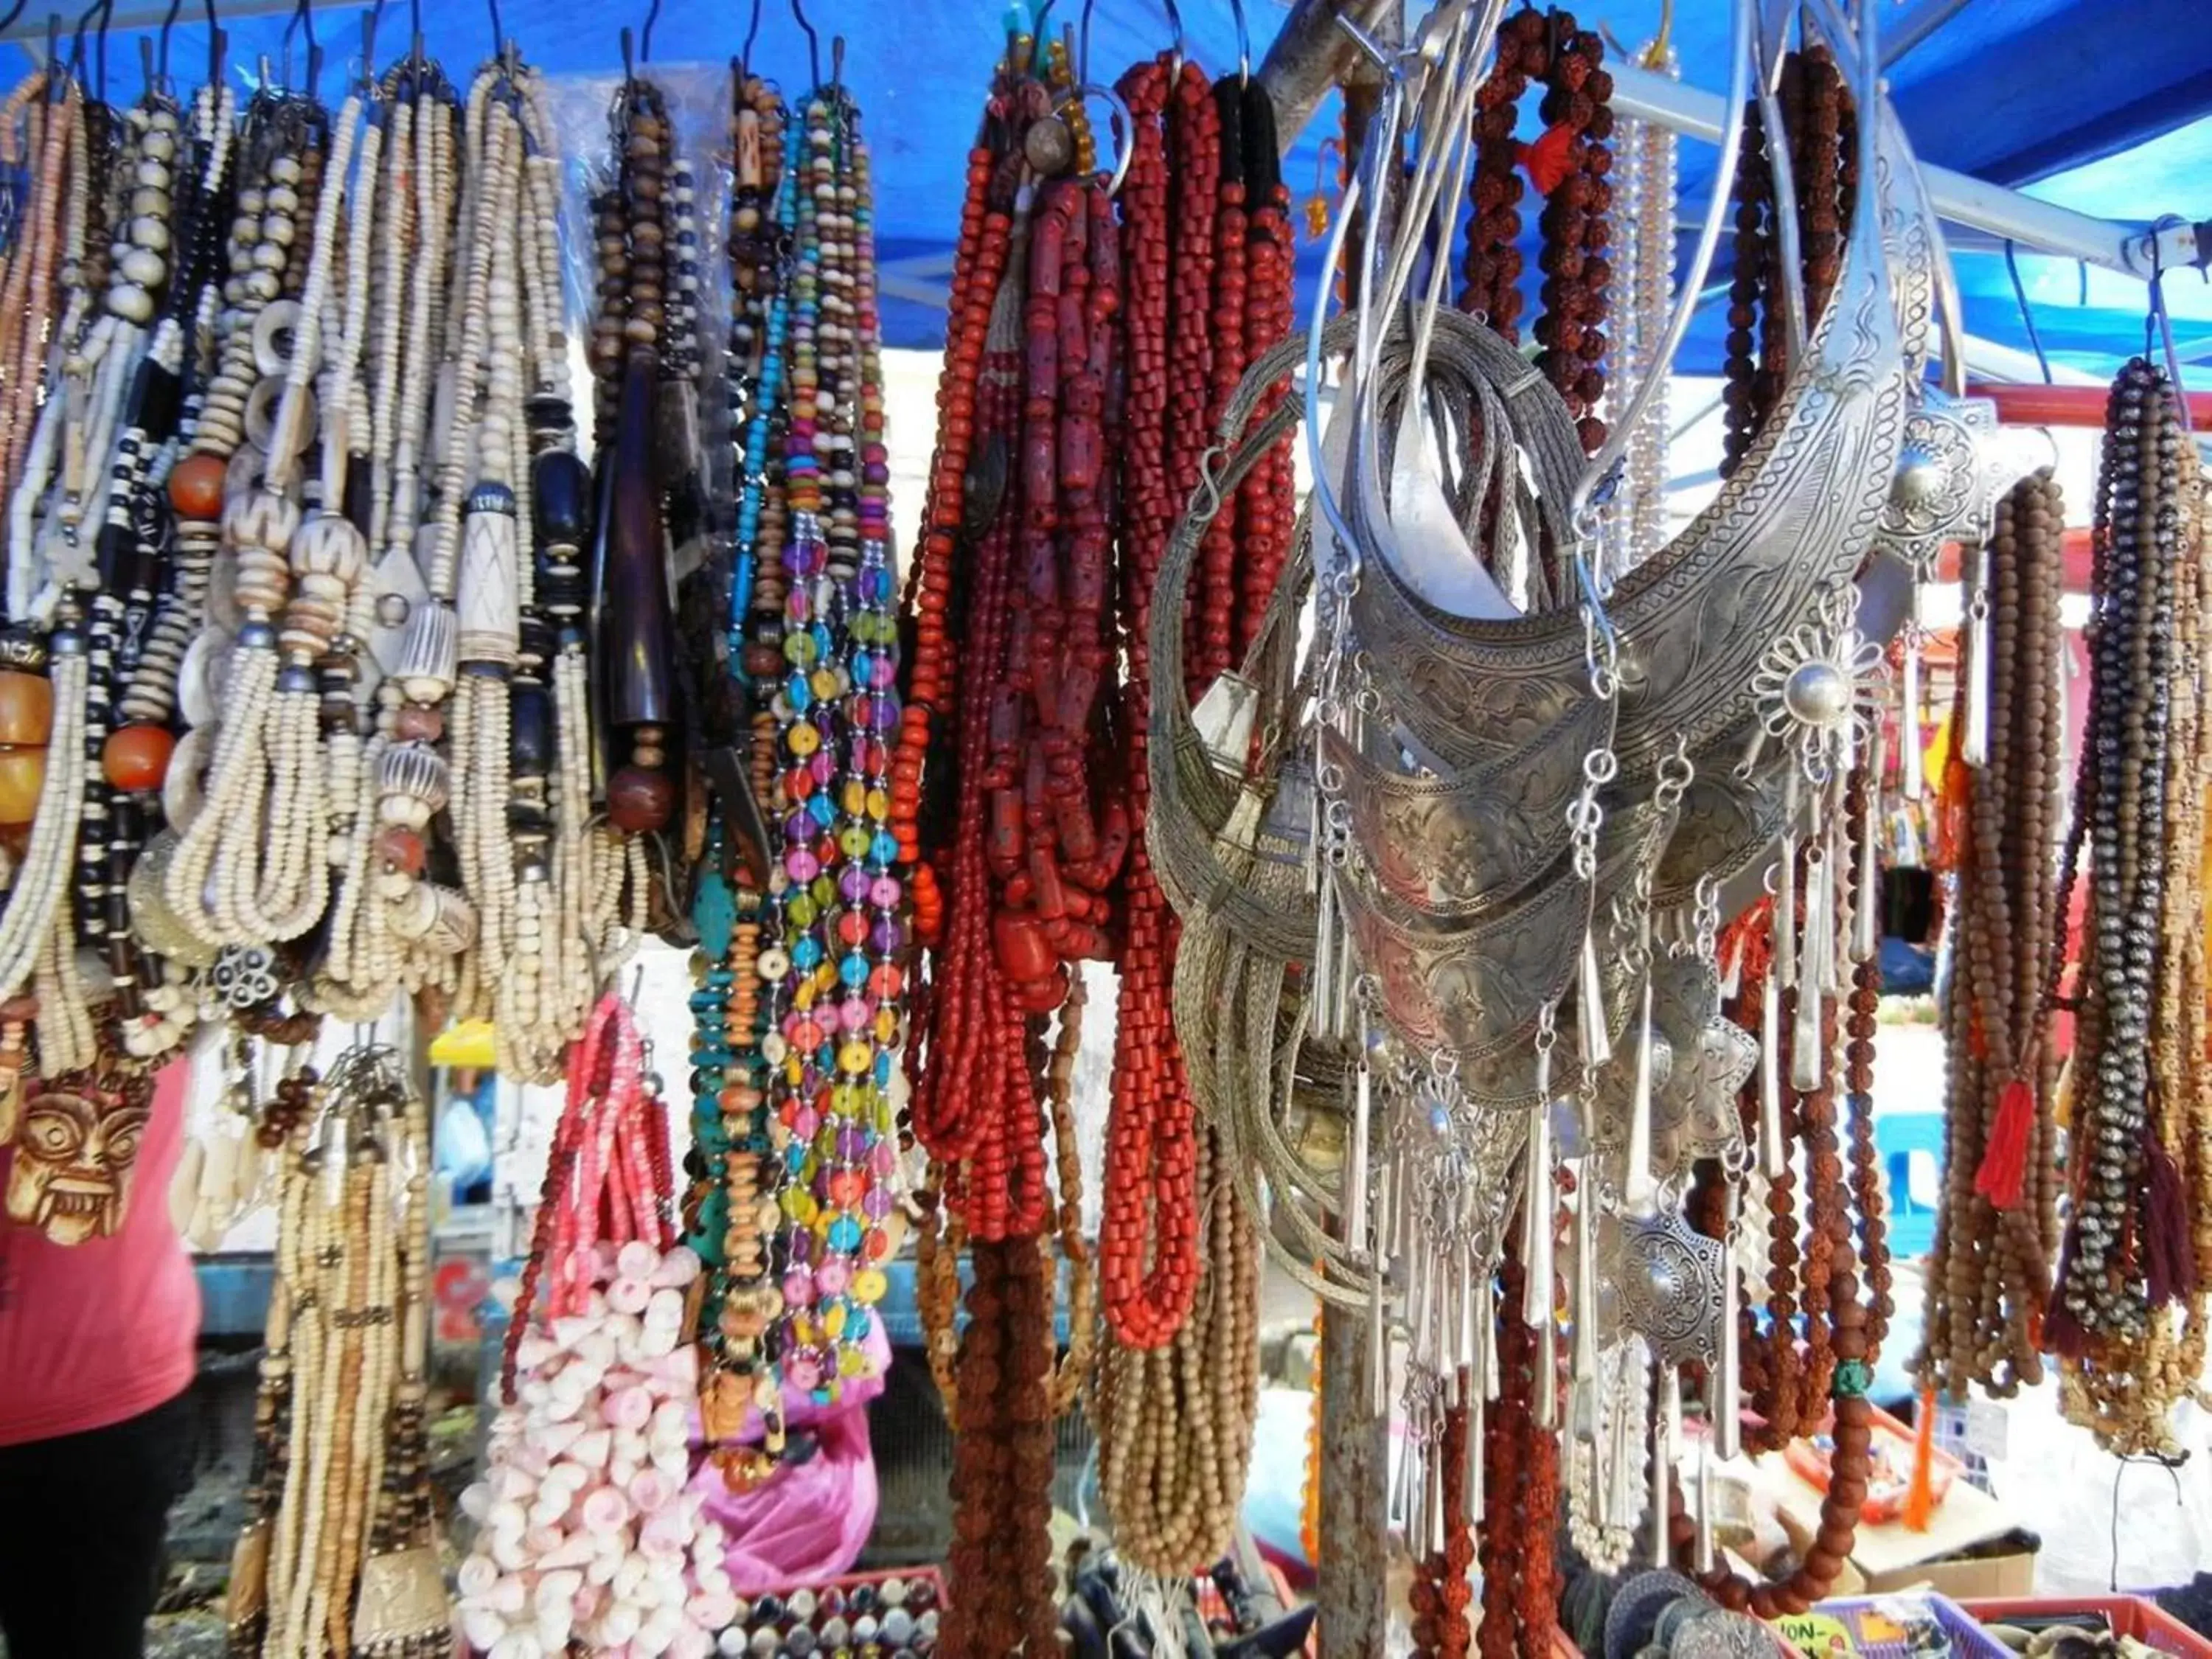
1973	1547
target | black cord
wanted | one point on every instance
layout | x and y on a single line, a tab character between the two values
2172	1468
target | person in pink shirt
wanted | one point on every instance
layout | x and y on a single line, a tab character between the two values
99	1330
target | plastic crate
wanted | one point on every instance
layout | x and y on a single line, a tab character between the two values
1881	1626
2123	1615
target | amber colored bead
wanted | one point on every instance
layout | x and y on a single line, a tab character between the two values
22	776
136	758
639	800
27	709
401	849
196	487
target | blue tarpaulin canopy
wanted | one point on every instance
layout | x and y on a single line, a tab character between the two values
2105	108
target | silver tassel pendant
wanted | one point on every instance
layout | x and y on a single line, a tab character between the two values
1866	887
1974	747
1774	1155
1912	744
1705	1544
1355	1173
1806	1060
1785	887
1636	1187
1584	1356
1724	1402
1539	1286
1589	1010
1666	1436
1478	1404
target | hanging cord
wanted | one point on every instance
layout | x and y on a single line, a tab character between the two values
2161	320
2026	315
2172	1468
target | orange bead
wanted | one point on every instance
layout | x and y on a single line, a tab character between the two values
136	758
196	487
22	776
27	709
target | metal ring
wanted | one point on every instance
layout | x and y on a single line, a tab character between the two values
1124	128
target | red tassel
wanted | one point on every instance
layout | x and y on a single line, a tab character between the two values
1920	1495
2004	1162
2169	1259
1550	159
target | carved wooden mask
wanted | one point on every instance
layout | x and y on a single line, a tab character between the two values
76	1151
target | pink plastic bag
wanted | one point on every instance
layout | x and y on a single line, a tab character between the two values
810	1521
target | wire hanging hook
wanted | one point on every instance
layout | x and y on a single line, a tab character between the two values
498	28
813	45
1082	52
74	68
1174	23
14	12
214	46
107	8
365	83
752	33
168	26
1243	44
644	36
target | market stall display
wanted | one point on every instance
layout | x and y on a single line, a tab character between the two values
1484	873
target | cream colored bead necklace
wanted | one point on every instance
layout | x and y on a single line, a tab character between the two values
239	795
272	876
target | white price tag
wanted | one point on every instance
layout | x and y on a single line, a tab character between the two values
1987	1429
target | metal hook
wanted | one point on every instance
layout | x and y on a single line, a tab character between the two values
645	38
168	23
74	66
1083	55
302	20
1243	44
752	33
1174	23
498	29
14	12
366	82
99	45
214	46
813	45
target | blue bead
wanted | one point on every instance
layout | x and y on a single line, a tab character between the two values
853	970
808	951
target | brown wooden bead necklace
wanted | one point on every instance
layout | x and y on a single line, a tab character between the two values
1989	1275
1569	165
2128	1317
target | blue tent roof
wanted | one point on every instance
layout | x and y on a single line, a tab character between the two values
2054	94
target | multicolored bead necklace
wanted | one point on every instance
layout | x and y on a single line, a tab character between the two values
833	899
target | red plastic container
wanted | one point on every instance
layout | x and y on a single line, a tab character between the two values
2125	1615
